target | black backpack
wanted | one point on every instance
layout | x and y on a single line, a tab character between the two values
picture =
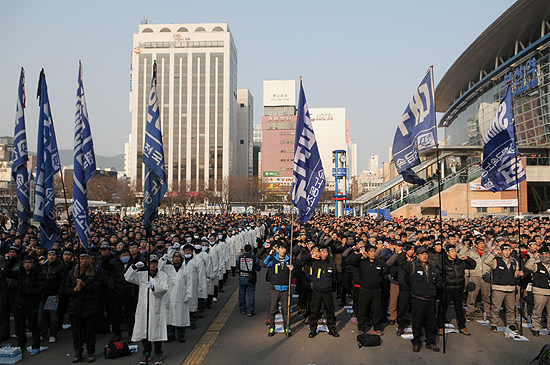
543	356
115	350
368	340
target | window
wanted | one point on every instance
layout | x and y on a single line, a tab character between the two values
283	160
283	151
481	210
242	105
242	141
509	209
283	142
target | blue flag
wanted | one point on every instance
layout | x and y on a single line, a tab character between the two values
47	166
153	158
309	177
20	158
500	150
416	131
84	164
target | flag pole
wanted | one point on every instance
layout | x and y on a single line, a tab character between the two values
519	217
440	225
290	264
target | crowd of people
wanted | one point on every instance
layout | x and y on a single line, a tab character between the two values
156	285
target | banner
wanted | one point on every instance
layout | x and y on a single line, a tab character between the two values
48	164
308	177
500	150
153	158
416	131
84	164
20	158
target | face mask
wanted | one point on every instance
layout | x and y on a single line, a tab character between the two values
220	236
196	236
125	259
188	255
212	243
205	248
189	239
198	247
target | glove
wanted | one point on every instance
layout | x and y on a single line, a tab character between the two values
186	300
200	290
165	257
177	245
149	285
139	264
207	280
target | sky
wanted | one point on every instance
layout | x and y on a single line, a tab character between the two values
367	56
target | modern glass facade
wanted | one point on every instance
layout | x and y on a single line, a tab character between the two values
530	78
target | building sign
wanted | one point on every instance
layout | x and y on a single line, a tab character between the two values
288	118
271	173
322	117
280	93
339	171
479	187
279	181
523	77
494	203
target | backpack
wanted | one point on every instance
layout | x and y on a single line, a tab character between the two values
368	340
115	350
544	356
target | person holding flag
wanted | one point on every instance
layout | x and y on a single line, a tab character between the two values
20	158
84	164
47	165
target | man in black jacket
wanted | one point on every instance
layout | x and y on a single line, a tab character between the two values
371	272
8	289
31	285
454	283
423	293
54	271
81	286
321	274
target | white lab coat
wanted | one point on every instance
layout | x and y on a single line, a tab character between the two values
207	260
179	288
157	309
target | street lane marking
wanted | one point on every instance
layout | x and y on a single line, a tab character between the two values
199	352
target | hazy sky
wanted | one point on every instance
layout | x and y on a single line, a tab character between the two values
367	56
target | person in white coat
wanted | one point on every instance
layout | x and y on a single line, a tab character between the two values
201	256
197	272
150	322
214	259
178	297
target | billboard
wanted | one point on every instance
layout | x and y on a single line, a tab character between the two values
280	93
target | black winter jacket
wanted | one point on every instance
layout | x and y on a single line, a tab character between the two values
454	280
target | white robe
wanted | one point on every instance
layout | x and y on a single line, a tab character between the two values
180	287
157	308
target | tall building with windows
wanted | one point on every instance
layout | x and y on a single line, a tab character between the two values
245	122
197	95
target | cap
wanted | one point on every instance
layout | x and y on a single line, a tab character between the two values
420	250
153	257
450	248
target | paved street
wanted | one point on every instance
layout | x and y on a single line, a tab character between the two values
238	339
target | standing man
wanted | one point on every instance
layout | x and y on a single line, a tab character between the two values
150	323
423	293
321	275
248	265
479	278
54	271
279	271
455	283
505	271
371	272
81	286
539	264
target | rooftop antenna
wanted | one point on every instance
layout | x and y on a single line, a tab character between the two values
224	20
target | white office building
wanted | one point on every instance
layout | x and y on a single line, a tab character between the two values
197	94
329	125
